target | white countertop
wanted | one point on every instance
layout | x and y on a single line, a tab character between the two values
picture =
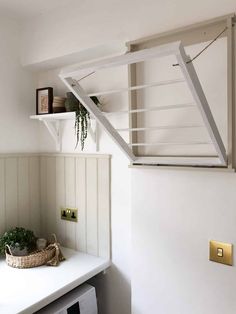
28	290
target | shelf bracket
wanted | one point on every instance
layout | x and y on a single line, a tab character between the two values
54	129
53	123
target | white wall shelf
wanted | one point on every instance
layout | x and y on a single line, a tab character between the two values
53	124
54	116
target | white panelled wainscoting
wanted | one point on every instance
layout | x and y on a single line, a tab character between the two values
83	182
20	191
33	188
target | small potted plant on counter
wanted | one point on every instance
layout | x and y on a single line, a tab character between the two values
20	240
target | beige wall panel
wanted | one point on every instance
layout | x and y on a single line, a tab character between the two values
24	213
2	196
50	210
34	188
70	199
92	206
81	204
11	193
60	199
34	195
43	193
19	192
103	208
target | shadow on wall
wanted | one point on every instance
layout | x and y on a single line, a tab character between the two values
112	299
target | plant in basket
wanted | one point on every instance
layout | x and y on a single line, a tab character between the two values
20	240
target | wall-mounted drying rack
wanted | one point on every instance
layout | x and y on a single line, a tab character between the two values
53	125
188	77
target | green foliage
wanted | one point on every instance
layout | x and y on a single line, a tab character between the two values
82	120
18	237
82	117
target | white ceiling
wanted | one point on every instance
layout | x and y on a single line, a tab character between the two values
26	9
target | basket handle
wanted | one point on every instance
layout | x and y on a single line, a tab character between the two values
8	248
54	237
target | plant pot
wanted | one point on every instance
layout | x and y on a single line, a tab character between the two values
17	251
71	103
41	243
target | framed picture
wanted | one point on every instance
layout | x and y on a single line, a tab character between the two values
44	99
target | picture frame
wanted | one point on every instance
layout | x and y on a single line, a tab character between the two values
44	100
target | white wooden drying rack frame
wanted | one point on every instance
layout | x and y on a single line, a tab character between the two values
192	81
190	35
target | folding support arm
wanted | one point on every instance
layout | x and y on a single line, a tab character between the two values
201	101
78	91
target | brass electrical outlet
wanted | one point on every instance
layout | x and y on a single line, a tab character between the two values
221	252
69	214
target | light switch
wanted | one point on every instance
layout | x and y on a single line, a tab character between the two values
221	252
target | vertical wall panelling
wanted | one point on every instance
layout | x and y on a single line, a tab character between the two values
2	196
33	188
103	208
19	192
77	181
92	206
43	194
34	194
23	192
11	192
50	210
60	199
81	238
70	198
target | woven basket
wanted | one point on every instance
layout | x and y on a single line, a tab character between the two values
34	259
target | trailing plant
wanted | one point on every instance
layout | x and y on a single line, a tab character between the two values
18	238
82	121
82	117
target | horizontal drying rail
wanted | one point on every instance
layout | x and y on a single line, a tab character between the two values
138	87
162	127
157	108
171	143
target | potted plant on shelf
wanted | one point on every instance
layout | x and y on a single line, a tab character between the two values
20	240
82	117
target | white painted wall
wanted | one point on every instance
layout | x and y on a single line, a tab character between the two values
17	133
86	24
174	215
